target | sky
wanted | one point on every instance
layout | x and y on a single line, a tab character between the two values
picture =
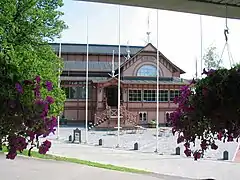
179	34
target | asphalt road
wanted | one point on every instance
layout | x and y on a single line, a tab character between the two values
34	169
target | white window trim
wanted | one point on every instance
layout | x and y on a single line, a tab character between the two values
135	90
143	112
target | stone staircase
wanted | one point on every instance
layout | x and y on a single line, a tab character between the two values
110	115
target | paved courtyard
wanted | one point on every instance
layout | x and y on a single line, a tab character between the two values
163	162
146	141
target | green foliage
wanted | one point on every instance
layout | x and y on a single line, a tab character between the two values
212	59
211	112
26	26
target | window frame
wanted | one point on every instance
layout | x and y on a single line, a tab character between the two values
137	100
142	119
171	99
143	74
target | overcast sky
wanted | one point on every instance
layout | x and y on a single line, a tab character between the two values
179	33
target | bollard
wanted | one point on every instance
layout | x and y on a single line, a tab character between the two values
225	155
100	142
178	151
135	146
70	138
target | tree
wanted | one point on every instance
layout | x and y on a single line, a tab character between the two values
211	112
26	27
212	59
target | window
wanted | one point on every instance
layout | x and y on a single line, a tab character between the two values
143	116
76	92
149	95
173	94
147	70
163	96
135	95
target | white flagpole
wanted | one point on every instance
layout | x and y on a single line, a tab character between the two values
59	86
157	110
201	39
113	68
119	78
86	115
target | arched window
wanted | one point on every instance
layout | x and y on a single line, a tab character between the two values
147	70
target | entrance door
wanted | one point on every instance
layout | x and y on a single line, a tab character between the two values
112	95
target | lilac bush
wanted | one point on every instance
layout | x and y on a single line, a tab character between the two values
30	116
208	110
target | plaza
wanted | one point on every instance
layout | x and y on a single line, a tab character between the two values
163	162
146	142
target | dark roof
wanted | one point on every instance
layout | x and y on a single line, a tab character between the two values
70	48
92	65
100	49
153	80
132	80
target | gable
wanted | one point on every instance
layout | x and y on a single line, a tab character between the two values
149	48
147	55
132	68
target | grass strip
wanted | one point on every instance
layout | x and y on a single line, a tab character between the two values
82	162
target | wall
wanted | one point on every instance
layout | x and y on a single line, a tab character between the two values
75	109
81	57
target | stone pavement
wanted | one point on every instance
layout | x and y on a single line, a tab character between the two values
146	141
28	169
161	164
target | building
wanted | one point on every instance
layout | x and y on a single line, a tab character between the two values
138	84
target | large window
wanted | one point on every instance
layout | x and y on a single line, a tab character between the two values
77	92
147	70
135	95
163	96
149	95
173	94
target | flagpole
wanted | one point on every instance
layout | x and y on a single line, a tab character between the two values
119	78
157	110
59	86
113	68
201	49
86	112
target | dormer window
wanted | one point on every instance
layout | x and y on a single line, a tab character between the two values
147	70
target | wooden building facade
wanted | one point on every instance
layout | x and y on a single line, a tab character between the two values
138	84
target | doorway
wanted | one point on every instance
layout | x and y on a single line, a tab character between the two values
112	96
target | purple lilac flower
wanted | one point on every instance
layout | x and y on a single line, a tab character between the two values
37	91
49	85
38	79
49	99
19	88
45	146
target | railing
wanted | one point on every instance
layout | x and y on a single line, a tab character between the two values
129	116
114	113
110	113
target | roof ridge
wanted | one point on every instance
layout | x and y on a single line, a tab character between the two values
106	45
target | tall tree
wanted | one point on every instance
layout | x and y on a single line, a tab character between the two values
26	27
212	59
